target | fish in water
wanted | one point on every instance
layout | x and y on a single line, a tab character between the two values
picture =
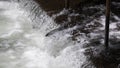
54	31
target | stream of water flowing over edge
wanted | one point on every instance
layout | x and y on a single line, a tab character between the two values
23	44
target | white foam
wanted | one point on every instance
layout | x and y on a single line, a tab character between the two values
25	47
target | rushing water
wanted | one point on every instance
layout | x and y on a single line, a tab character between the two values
23	43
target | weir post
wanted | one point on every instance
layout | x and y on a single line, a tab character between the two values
67	4
107	23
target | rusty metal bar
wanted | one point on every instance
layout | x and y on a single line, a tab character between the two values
107	22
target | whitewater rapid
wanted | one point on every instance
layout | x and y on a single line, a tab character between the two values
23	43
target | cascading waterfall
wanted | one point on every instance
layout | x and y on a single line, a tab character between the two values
23	44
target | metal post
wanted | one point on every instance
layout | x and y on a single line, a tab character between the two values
67	4
107	22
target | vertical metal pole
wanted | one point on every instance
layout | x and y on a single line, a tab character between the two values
107	22
67	4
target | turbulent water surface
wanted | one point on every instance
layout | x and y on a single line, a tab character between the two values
23	43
